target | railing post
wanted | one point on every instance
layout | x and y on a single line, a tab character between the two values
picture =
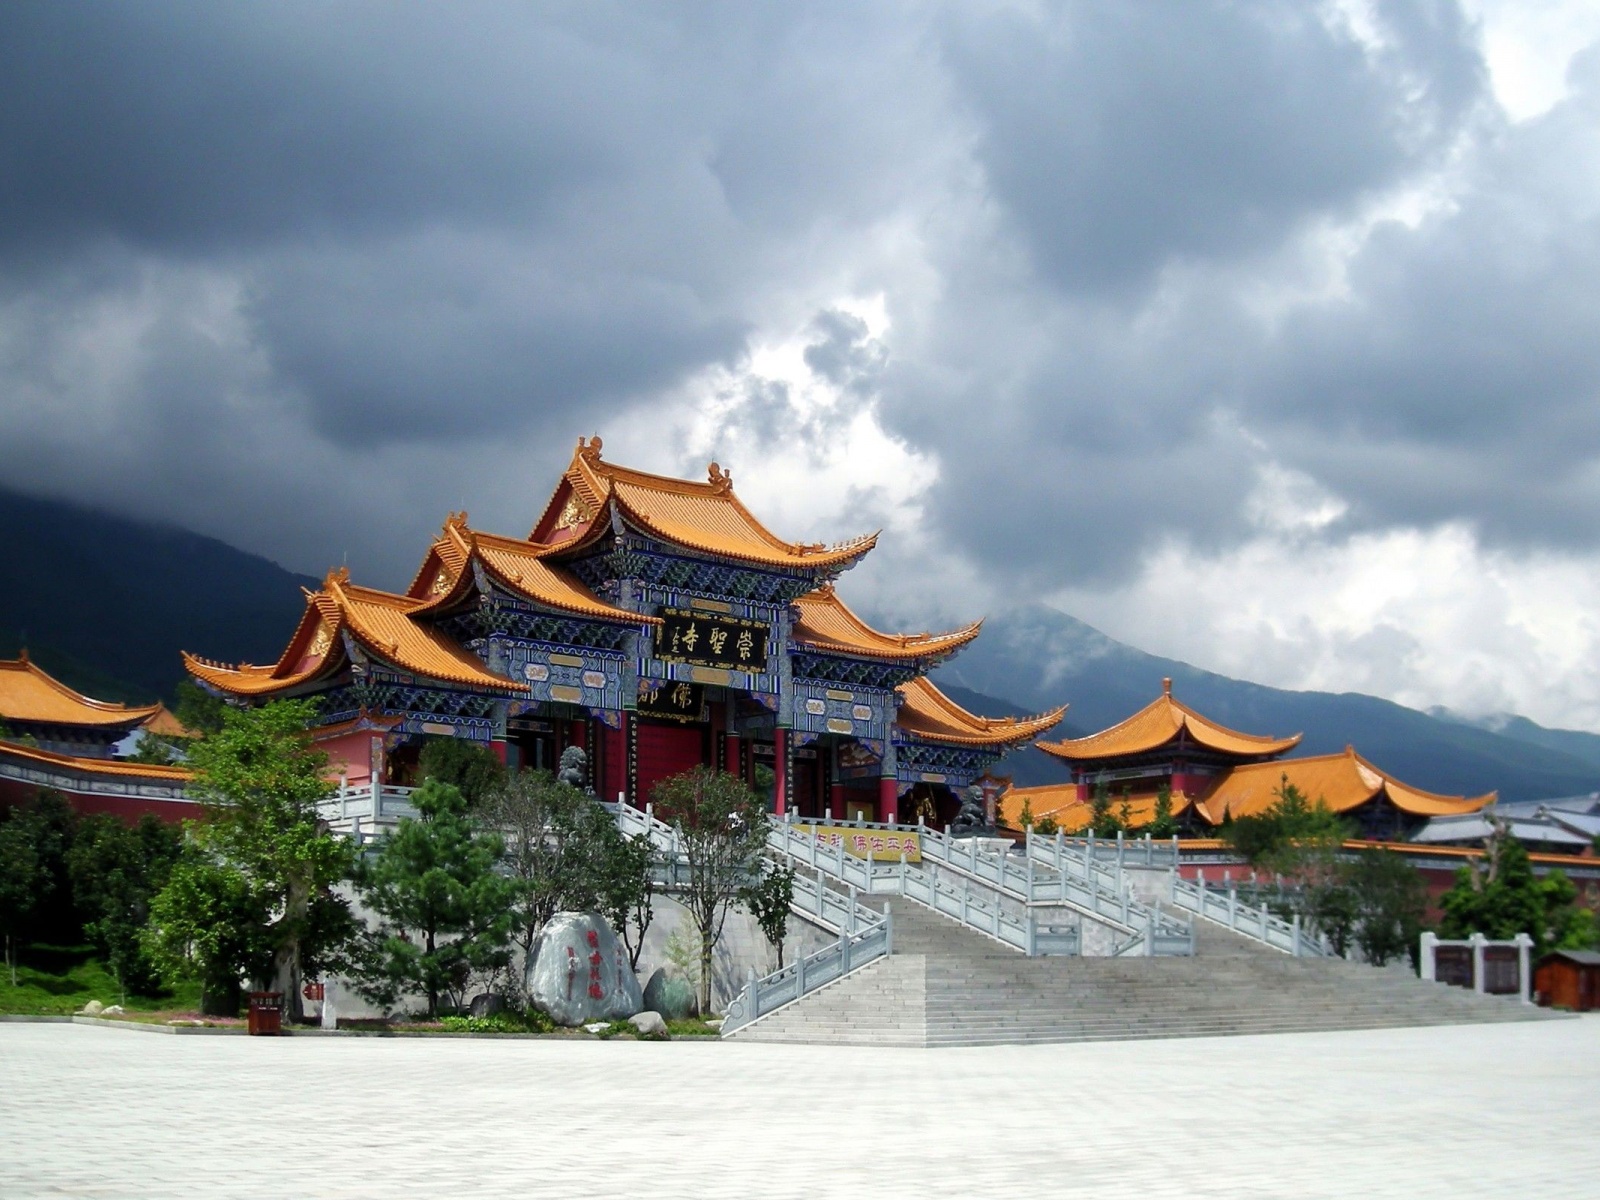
852	917
1119	854
1032	948
1524	978
844	953
1296	926
344	794
1174	850
888	930
799	975
1030	880
377	802
1264	923
1233	907
1477	941
1148	860
966	891
1150	933
1425	957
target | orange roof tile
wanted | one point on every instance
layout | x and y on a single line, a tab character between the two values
29	694
97	766
380	621
1160	722
523	567
1342	781
928	713
166	724
1059	801
700	516
826	623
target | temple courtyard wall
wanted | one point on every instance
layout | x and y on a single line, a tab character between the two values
1451	1111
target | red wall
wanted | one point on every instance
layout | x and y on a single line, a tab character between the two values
665	750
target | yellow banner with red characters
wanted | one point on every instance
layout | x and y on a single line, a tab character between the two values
882	845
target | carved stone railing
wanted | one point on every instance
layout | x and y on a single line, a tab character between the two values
854	949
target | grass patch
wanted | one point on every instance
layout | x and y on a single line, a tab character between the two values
59	980
691	1027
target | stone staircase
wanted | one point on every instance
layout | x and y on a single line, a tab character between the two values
947	986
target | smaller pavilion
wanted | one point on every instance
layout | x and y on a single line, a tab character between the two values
1215	774
56	738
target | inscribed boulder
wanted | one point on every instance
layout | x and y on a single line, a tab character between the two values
579	972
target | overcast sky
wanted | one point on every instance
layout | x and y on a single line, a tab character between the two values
1262	335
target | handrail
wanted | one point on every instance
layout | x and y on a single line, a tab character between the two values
1257	924
853	950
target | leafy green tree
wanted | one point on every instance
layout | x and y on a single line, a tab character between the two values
768	899
198	709
49	825
468	767
1162	822
116	870
19	877
212	922
1501	897
627	889
260	780
1289	834
1391	902
722	831
557	841
444	909
1046	827
1124	821
1101	821
1025	817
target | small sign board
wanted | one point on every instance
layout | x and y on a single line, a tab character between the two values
881	845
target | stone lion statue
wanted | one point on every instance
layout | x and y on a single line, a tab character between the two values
972	819
574	768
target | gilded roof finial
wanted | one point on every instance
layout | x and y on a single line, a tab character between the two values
456	520
335	577
1166	687
720	479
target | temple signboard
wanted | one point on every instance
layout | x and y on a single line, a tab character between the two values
711	640
880	845
668	701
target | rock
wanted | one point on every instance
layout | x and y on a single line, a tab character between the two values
597	1026
92	1009
649	1024
114	1011
713	1022
671	995
486	1004
579	973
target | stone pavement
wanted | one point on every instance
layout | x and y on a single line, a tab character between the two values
1481	1110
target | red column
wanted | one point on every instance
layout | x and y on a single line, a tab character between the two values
836	799
498	747
732	763
780	768
888	800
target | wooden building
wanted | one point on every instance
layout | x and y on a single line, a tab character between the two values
1569	979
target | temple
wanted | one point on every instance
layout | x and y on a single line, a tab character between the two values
54	737
657	624
1213	774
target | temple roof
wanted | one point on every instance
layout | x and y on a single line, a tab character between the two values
1159	723
29	694
1342	781
523	567
827	624
97	766
707	517
1059	801
928	713
380	621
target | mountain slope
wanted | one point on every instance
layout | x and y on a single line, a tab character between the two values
1038	657
110	602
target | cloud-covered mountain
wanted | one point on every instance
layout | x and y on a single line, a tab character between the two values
1038	657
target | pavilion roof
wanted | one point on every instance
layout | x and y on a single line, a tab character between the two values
1159	723
28	693
523	567
1342	781
707	517
826	623
380	621
928	713
118	768
1059	801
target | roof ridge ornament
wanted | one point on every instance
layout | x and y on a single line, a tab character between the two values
718	478
589	449
337	577
1166	687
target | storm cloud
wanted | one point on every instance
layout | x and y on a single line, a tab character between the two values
1077	300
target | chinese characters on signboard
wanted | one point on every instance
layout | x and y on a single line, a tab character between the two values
670	701
706	640
877	844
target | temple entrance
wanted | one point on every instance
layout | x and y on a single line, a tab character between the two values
531	745
665	749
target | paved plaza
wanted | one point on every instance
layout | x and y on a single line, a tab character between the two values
1497	1110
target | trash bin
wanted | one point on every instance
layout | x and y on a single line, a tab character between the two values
266	1013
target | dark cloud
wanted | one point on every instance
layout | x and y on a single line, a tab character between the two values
396	258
